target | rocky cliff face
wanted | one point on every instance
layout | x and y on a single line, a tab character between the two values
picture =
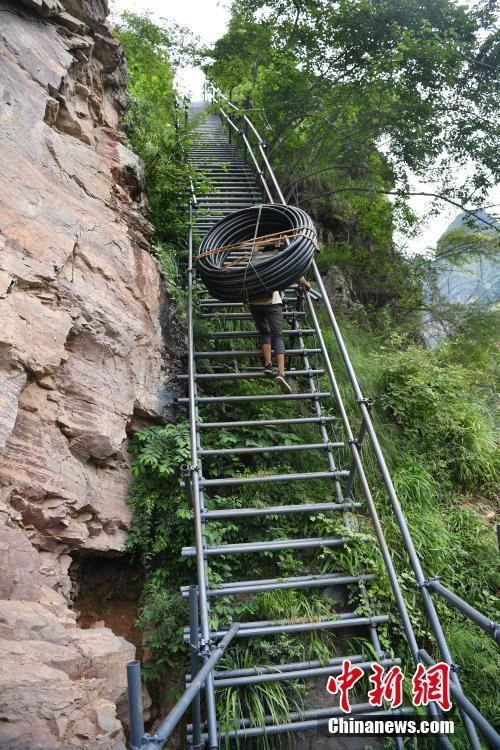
81	362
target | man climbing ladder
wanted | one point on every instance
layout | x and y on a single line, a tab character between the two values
267	313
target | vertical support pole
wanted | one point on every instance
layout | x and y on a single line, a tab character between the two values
398	512
194	642
245	148
197	500
352	473
372	510
391	572
319	411
135	711
187	483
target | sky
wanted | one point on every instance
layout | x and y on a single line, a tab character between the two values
208	19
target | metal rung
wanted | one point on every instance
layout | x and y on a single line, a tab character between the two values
273	584
248	547
225	163
232	200
218	303
248	316
251	353
211	217
234	184
299	674
254	334
221	161
228	204
255	624
247	375
218	212
220	481
297	627
312	719
269	422
277	510
234	192
291	667
232	179
295	579
233	171
289	292
220	171
234	187
221	198
223	210
244	254
253	398
212	302
269	449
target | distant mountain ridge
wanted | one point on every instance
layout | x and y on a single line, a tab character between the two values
481	219
475	279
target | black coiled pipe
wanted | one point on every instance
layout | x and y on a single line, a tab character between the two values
259	276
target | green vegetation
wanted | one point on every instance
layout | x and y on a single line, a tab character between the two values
398	68
352	98
335	81
446	473
158	531
437	437
157	131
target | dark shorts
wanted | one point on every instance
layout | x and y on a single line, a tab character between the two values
269	322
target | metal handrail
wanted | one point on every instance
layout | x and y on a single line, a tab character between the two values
367	426
197	498
490	627
141	741
177	106
199	623
489	733
217	93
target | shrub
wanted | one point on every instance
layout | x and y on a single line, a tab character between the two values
435	407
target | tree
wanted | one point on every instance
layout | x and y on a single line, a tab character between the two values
353	97
368	90
152	52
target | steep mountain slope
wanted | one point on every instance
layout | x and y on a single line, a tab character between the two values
474	279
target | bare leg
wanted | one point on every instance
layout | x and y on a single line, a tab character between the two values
280	358
266	354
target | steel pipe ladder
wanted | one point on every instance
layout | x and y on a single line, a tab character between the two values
233	186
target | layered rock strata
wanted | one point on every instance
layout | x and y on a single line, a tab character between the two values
82	362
